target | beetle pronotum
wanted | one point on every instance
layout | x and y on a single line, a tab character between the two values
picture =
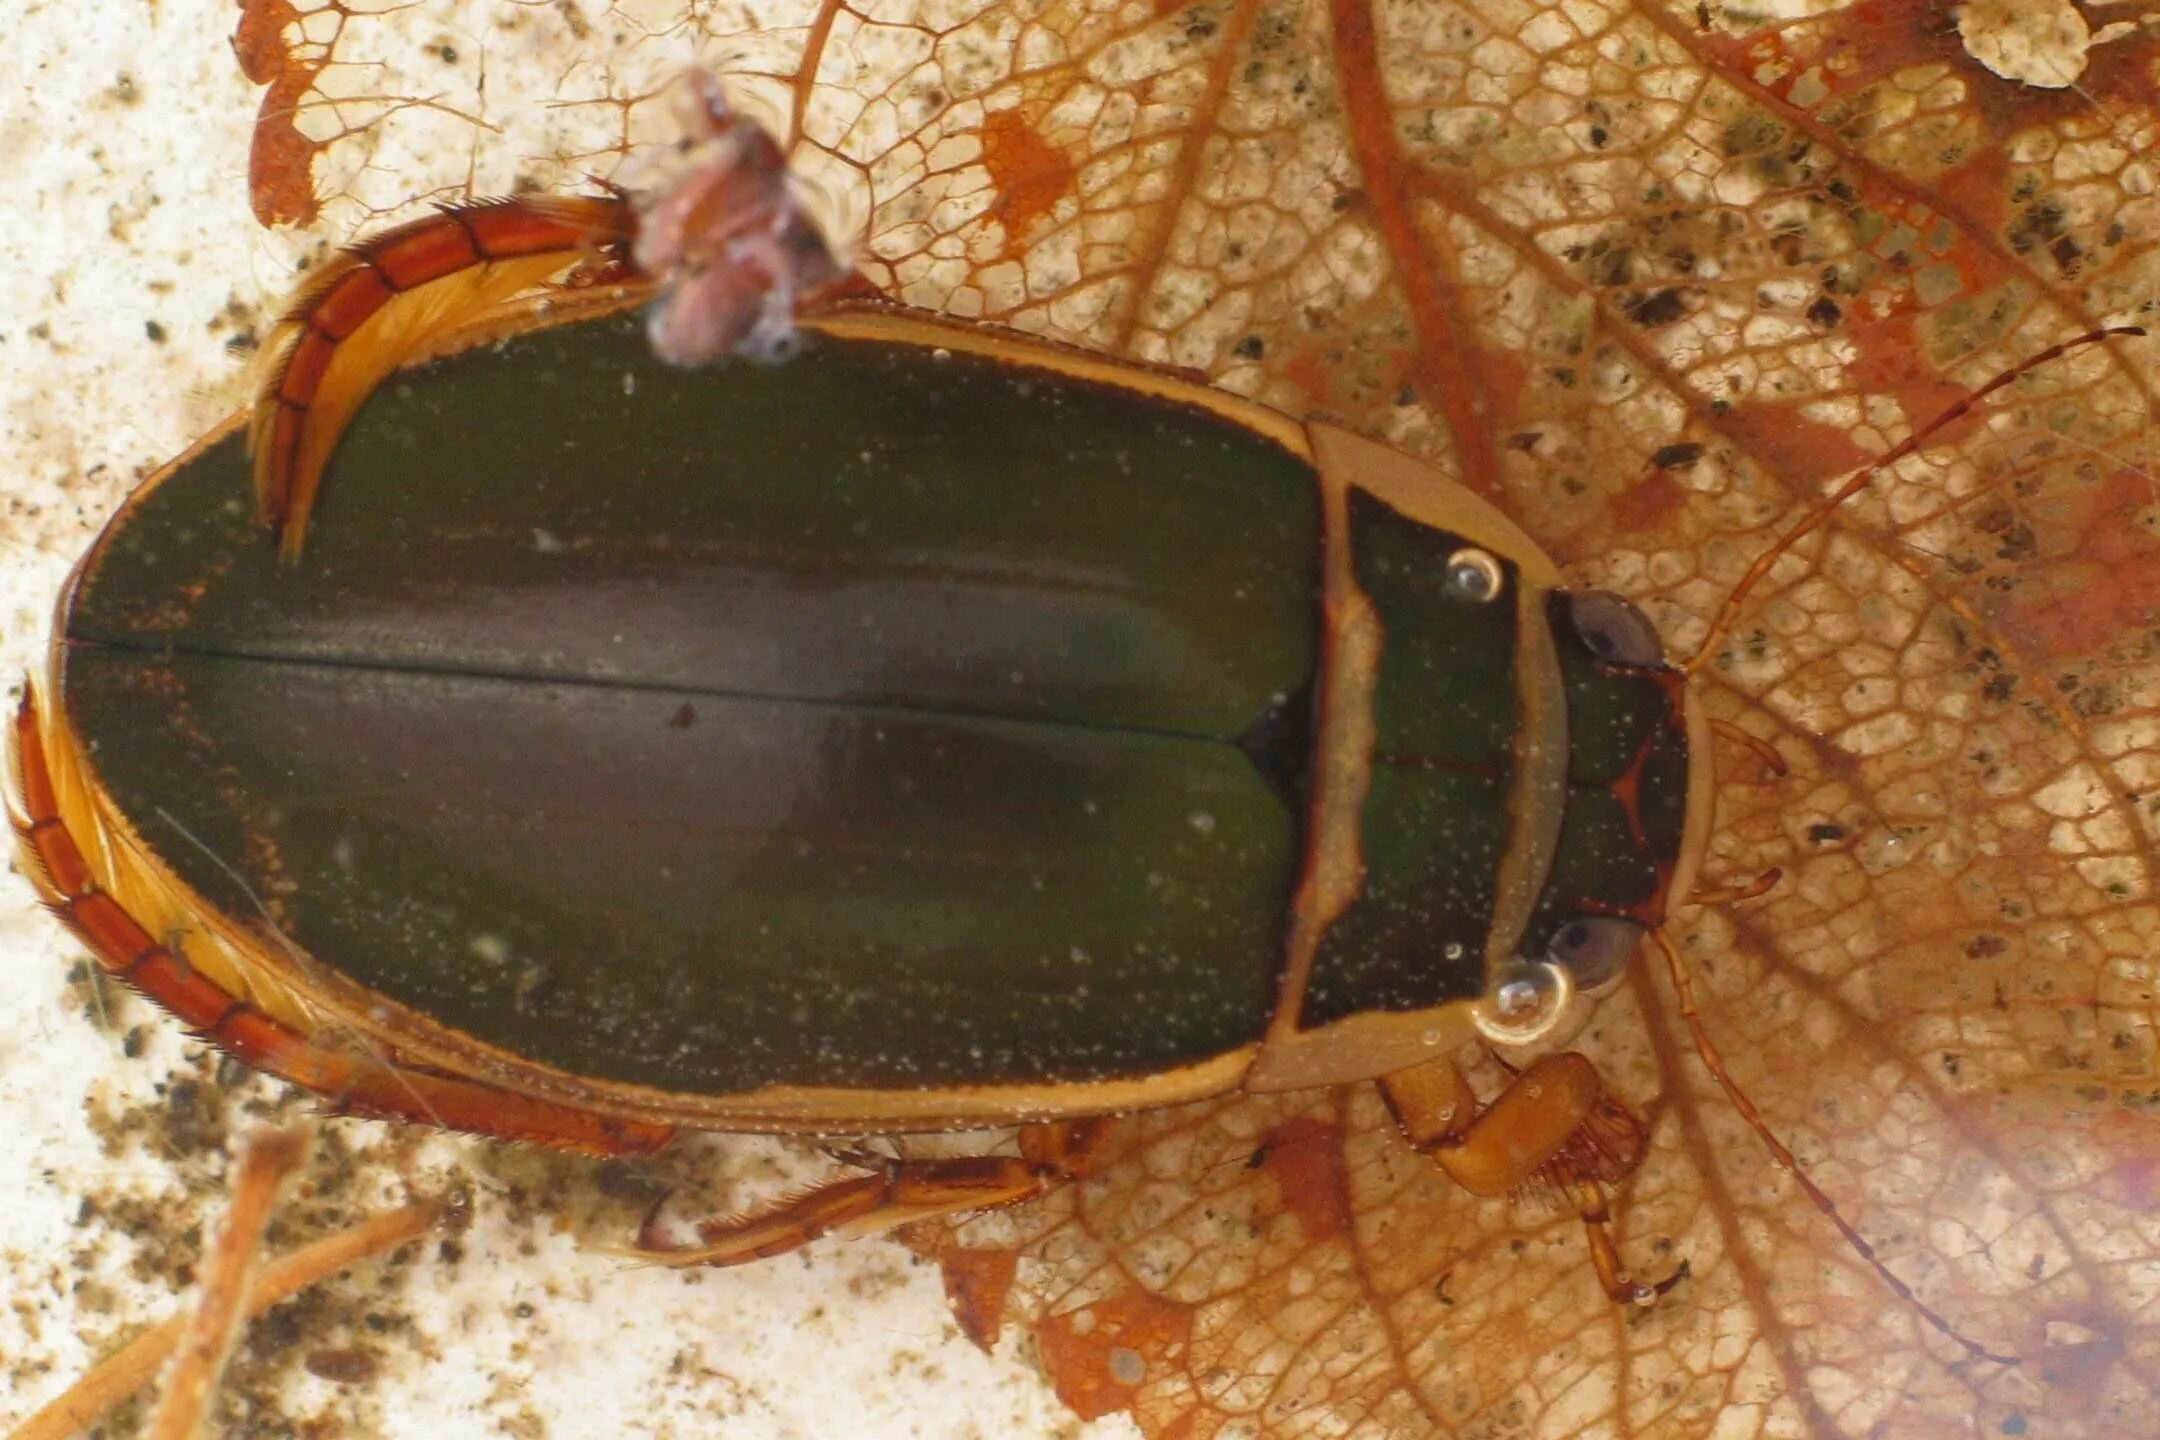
1588	844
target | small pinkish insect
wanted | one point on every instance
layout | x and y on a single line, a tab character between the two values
725	245
729	240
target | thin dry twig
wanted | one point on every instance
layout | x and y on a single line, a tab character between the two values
131	1367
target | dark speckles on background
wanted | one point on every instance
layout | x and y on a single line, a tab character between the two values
1659	307
187	1130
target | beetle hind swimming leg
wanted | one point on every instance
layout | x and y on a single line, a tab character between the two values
1556	1128
142	931
385	302
728	245
895	1192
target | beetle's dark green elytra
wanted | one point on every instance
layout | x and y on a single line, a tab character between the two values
893	719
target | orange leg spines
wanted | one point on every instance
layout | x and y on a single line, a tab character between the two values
350	1082
301	406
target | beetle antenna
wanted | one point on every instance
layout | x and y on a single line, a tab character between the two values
1711	1058
1729	612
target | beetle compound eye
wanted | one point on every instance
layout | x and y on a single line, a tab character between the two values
1614	630
1595	949
1475	576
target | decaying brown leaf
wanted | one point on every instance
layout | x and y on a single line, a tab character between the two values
1651	275
1544	245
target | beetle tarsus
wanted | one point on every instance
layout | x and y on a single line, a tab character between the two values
1593	1208
1773	763
1753	889
896	1192
1555	1128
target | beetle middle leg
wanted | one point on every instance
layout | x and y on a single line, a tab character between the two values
1556	1126
896	1192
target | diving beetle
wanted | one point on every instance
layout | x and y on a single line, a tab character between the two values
940	729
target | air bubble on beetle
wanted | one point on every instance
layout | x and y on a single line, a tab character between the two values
1474	575
1201	821
774	339
1526	1000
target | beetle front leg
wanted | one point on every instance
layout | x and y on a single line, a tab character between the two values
896	1192
1555	1125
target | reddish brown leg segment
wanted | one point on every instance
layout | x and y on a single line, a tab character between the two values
895	1192
1753	889
362	280
299	411
1554	1125
1772	762
350	1083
